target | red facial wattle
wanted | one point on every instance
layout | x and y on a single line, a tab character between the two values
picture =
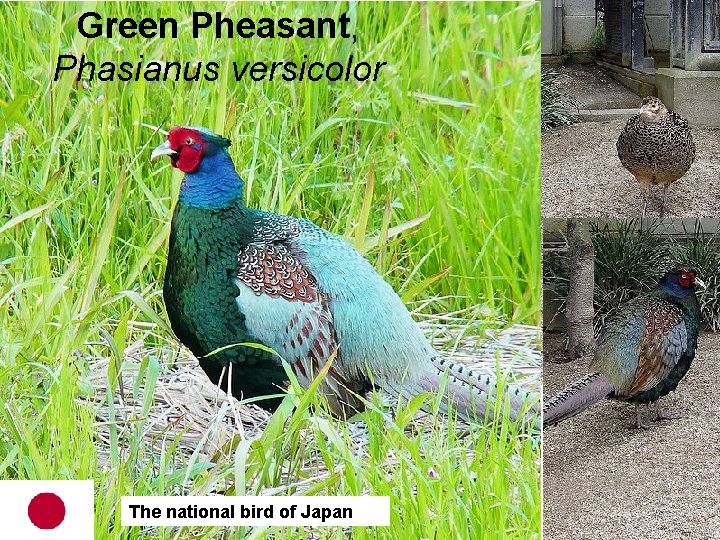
189	145
686	279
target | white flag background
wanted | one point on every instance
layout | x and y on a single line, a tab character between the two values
63	508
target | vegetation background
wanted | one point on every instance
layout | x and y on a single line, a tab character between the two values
433	172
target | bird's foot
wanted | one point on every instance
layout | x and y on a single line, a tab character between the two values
668	416
661	415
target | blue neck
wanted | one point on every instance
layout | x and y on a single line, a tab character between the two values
674	289
214	184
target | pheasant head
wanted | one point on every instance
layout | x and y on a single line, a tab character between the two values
187	146
652	109
681	282
210	177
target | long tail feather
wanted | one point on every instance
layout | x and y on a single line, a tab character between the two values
473	396
576	398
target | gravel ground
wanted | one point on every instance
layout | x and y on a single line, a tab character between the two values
603	478
582	176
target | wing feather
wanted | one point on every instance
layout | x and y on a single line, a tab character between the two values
661	346
285	309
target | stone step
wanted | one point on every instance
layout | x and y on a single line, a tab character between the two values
604	115
643	84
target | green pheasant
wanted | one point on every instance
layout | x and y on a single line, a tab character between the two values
237	276
642	352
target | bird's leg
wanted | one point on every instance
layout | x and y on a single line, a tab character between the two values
646	196
664	198
660	415
638	420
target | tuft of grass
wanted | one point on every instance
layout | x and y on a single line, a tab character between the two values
629	260
598	36
433	172
558	107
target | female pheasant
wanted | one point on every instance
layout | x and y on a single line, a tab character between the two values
642	353
238	276
657	147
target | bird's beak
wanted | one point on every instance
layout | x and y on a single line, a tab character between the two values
162	150
699	283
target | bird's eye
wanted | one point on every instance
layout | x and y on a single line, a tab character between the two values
189	141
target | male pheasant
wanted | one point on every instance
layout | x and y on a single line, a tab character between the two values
657	147
238	276
642	352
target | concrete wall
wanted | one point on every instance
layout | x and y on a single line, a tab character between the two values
693	94
657	16
547	27
578	25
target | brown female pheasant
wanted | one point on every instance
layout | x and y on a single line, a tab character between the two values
656	146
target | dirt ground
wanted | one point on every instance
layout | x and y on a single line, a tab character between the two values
603	478
594	88
582	176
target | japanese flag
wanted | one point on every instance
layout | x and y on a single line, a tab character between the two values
47	509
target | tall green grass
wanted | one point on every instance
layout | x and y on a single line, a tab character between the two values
433	172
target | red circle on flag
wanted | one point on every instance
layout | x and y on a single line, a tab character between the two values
46	510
